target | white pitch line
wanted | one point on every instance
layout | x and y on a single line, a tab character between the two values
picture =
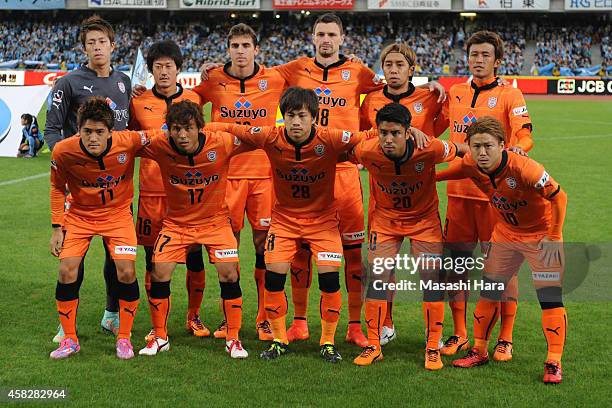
19	180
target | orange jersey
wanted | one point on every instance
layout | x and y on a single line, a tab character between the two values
148	111
404	189
520	190
194	183
303	175
339	87
469	102
428	115
250	101
99	185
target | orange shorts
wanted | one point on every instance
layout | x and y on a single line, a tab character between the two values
287	234
254	196
508	251
215	233
468	222
151	213
117	232
348	199
387	236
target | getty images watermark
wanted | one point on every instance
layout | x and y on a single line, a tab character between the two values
430	267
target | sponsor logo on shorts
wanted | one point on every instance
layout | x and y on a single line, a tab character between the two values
543	180
521	110
329	256
353	236
546	276
264	222
53	164
226	253
125	250
237	141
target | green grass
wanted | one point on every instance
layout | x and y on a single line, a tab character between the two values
574	141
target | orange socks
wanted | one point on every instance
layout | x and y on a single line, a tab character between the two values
301	278
375	311
433	314
276	310
67	310
159	306
352	271
259	282
127	313
458	310
196	282
330	313
485	316
554	325
509	305
232	311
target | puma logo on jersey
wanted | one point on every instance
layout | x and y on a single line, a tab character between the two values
88	88
148	108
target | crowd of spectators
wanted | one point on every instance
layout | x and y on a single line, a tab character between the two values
438	42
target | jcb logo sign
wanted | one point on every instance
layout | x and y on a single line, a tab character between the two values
566	86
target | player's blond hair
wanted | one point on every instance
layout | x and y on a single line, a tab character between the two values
488	125
400	48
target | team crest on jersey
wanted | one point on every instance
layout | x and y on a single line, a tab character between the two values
122	158
419	166
418	107
263	84
346	136
492	102
121	86
212	155
319	150
346	74
511	182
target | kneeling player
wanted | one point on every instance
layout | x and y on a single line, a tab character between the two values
406	200
303	159
98	168
194	166
530	207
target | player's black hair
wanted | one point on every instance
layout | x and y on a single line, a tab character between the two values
296	98
394	112
96	109
182	112
328	18
28	118
161	49
96	23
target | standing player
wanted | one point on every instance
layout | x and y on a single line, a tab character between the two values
530	210
97	166
303	158
96	78
148	111
194	165
427	114
469	218
246	93
338	83
406	205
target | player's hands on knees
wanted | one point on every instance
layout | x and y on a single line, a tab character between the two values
57	238
517	150
420	139
435	86
551	251
207	67
138	90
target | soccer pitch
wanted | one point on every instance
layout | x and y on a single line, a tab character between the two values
573	139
